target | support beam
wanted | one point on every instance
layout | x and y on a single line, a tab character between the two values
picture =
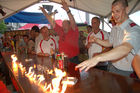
102	20
138	1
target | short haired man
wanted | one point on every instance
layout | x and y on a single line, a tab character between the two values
125	41
95	49
47	45
68	34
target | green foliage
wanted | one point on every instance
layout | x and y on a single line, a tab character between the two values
3	27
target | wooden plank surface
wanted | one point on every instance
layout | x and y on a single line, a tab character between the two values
93	81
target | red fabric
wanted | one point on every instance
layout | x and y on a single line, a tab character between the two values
28	26
102	35
133	75
68	43
41	47
132	24
15	84
54	42
3	88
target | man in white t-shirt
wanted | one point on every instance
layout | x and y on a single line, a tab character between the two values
94	48
124	38
47	45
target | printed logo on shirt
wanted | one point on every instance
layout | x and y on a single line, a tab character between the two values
51	44
132	24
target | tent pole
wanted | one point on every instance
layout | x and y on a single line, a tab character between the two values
138	1
87	17
102	20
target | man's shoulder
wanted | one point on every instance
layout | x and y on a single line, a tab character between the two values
131	24
133	27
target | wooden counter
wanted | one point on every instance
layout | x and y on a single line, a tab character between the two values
93	81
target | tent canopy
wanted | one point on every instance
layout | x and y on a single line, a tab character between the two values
98	7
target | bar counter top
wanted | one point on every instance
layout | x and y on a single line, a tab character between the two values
93	81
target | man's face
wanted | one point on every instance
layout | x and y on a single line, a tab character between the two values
32	33
95	23
25	39
119	13
89	29
45	32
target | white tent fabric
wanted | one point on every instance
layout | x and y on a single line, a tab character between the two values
13	6
98	7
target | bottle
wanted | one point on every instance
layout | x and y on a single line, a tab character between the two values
60	61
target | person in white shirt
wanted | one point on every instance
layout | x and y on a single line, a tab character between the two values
95	49
47	45
124	38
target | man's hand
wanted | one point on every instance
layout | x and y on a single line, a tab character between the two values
86	65
65	6
43	54
41	8
92	39
48	17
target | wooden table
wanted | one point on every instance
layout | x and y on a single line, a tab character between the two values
93	81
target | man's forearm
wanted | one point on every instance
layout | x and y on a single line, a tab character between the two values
72	21
136	65
48	17
115	53
104	43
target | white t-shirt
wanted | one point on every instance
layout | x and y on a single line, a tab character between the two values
126	32
46	46
95	48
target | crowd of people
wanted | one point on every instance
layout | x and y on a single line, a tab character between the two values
120	47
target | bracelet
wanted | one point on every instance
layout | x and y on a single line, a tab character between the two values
68	11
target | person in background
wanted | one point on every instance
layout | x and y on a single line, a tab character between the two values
68	34
89	28
36	30
47	45
8	44
95	49
37	33
37	40
82	38
124	39
24	46
31	42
